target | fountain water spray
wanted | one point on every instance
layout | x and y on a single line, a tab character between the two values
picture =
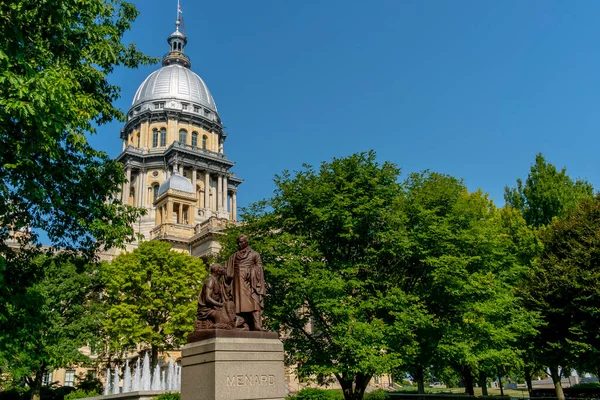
146	379
142	379
107	386
127	378
116	379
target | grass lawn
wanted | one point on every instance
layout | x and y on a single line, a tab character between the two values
520	393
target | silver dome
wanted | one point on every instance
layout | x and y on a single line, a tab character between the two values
175	182
174	82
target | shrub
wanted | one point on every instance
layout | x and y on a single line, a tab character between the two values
59	393
81	394
14	394
587	385
317	394
378	394
168	396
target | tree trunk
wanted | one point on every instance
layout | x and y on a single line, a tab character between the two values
557	385
483	383
467	376
500	381
420	378
154	357
527	372
36	383
354	389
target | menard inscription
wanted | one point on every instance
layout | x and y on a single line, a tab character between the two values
250	380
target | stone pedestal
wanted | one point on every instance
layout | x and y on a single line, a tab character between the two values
232	365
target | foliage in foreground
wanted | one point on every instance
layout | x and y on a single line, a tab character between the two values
328	239
169	396
81	394
58	320
369	275
150	297
317	394
55	59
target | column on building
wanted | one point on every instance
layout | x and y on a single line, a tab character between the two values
233	206
140	192
219	204
224	199
192	218
206	191
125	191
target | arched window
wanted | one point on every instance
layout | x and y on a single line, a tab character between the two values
204	141
194	139
154	138
163	137
182	136
154	192
138	140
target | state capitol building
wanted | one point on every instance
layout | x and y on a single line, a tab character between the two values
174	160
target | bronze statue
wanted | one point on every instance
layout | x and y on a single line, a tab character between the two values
215	310
246	274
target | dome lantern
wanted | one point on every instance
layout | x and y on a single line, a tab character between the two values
177	41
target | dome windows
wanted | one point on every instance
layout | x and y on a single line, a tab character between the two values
163	137
155	138
182	136
204	141
194	139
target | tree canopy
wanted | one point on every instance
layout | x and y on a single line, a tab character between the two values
58	318
55	58
369	275
328	239
546	193
150	297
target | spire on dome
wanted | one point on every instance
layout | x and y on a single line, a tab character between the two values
177	41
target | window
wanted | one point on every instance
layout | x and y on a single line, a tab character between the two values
204	141
155	138
194	139
158	106
47	378
163	137
70	378
154	193
196	109
185	106
182	137
206	111
138	140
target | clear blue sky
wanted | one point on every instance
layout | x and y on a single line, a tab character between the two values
470	88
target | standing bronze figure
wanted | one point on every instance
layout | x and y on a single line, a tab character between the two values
246	273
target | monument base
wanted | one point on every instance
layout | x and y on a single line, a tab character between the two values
232	365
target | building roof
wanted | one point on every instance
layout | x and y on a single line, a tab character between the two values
174	82
175	182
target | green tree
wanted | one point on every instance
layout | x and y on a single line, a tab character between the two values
329	239
460	267
151	297
565	287
55	58
546	194
56	322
